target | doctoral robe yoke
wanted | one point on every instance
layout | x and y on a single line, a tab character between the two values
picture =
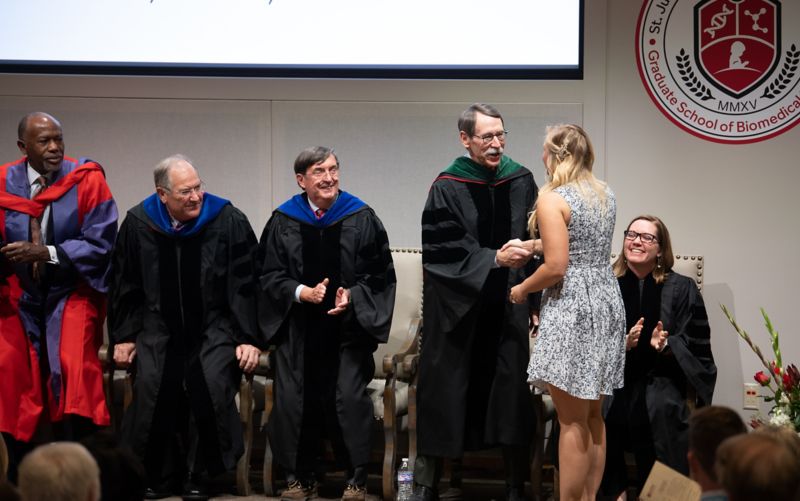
65	311
322	358
187	303
472	391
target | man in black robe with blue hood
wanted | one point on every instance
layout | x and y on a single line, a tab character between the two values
183	308
329	283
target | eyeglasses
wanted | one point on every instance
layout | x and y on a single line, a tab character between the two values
187	192
318	172
488	138
646	238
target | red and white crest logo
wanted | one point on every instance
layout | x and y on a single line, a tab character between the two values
726	71
737	42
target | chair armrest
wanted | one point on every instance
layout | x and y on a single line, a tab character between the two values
393	363
105	355
264	367
410	366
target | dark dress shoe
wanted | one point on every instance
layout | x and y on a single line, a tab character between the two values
194	492
515	493
156	493
423	493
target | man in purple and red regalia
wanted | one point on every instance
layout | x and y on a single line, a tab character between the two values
54	267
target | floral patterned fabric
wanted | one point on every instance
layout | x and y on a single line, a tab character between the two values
581	343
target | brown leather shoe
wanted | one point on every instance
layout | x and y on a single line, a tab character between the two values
298	490
354	493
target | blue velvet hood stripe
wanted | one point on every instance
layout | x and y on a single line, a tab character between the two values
157	212
297	208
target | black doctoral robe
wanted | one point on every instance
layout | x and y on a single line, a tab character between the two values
472	391
649	414
186	302
323	363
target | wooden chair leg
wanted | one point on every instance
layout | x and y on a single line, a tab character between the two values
412	424
108	389
537	461
246	412
3	459
267	471
390	438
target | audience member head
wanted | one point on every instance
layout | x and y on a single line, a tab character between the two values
122	476
708	427
60	471
646	249
179	187
316	170
483	134
784	433
758	466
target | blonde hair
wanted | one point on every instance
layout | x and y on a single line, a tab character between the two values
570	157
60	471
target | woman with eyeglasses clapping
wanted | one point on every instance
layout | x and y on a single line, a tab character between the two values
667	346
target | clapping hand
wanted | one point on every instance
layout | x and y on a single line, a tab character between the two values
632	339
659	338
342	301
314	294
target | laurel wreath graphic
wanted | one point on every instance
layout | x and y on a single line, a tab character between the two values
787	72
689	78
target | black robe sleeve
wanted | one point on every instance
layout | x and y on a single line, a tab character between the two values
242	284
126	297
373	291
687	358
686	320
276	281
456	266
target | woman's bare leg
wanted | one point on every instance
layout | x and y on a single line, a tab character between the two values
574	444
597	430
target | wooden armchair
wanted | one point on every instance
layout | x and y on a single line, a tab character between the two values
389	388
390	360
248	404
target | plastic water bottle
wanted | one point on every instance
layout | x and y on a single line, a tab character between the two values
405	481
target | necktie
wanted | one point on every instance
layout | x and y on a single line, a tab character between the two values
36	226
319	213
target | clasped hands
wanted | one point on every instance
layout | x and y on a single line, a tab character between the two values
25	252
317	294
658	339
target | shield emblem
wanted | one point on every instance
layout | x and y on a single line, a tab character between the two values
737	42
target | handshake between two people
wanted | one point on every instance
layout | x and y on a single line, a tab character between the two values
516	253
